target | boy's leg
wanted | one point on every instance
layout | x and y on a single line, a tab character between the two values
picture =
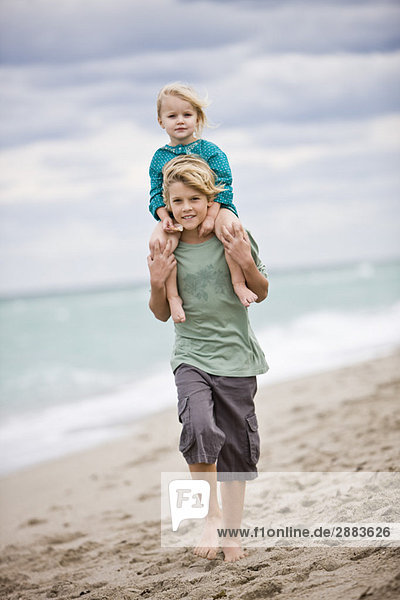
200	443
235	416
174	300
232	496
226	218
209	542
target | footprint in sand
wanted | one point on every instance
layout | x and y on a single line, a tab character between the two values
63	538
32	522
150	457
153	493
266	590
76	554
108	486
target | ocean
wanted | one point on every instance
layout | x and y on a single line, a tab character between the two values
78	368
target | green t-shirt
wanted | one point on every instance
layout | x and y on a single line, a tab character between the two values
216	336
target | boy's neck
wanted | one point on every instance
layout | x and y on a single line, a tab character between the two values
193	237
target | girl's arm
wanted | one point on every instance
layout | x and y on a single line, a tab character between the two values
208	224
156	181
218	162
237	245
160	267
167	221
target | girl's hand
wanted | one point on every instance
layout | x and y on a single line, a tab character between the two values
206	227
236	244
161	263
169	226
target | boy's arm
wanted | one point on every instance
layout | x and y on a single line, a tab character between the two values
160	267
238	247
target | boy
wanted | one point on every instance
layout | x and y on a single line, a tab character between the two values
216	356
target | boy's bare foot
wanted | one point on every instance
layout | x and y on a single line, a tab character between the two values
245	295
209	544
233	552
177	312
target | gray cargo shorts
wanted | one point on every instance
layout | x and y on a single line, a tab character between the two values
219	423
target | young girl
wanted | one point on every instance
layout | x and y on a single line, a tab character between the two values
180	112
216	356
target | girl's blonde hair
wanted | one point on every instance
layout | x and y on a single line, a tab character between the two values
185	92
193	171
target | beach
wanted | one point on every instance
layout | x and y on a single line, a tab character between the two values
88	524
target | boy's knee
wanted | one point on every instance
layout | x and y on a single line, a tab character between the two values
205	445
201	440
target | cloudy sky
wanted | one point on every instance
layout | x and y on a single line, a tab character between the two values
305	99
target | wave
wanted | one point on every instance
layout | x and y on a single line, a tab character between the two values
325	340
51	432
310	343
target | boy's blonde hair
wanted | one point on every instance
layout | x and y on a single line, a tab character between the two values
185	92
193	171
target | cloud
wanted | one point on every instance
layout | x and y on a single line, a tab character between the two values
42	31
73	101
110	163
303	92
308	87
320	183
76	253
336	232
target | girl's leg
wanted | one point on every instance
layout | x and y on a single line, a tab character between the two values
208	546
157	235
161	237
174	300
226	218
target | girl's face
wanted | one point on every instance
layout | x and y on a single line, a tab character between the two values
188	205
179	119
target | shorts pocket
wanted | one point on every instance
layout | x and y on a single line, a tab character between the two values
186	440
254	438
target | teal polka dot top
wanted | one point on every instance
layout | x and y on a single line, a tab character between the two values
210	152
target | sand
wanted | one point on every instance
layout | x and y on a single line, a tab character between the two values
88	525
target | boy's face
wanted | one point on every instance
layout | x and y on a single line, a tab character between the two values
188	205
179	119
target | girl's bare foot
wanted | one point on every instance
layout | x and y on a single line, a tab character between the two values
245	295
177	312
209	543
233	552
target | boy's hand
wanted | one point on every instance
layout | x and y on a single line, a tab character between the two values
236	244
207	226
161	263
